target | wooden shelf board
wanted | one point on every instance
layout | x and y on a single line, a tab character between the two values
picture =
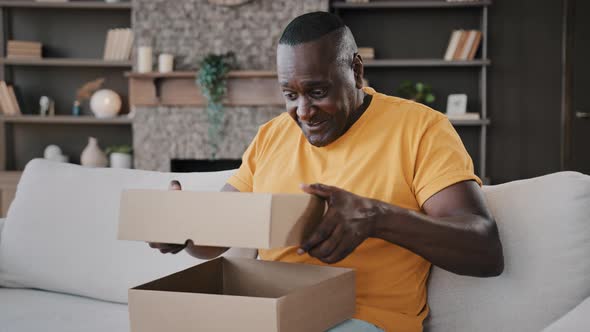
67	5
65	119
193	74
65	62
424	63
480	122
410	4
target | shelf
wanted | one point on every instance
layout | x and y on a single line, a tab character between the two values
65	119
193	74
409	4
65	62
67	5
425	63
480	122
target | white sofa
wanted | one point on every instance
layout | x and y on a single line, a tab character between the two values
63	270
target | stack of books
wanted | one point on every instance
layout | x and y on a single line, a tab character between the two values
118	44
23	49
367	52
8	101
463	45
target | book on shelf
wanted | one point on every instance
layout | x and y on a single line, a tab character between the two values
23	49
366	52
118	44
465	116
8	101
463	45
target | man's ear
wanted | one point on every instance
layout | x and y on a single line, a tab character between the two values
358	69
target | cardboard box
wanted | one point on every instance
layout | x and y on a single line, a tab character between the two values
245	220
232	294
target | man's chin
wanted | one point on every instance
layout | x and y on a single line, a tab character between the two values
318	141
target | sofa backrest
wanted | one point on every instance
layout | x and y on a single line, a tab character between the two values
544	226
61	231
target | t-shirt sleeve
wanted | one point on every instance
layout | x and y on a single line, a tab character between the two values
441	161
243	179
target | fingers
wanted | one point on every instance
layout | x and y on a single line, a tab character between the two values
326	248
322	232
166	248
344	248
318	189
175	185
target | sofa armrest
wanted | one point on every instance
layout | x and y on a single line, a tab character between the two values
578	319
1	224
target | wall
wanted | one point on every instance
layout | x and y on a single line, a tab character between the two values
525	89
192	28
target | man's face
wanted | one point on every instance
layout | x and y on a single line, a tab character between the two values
319	92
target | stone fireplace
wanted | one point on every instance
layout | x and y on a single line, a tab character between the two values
170	120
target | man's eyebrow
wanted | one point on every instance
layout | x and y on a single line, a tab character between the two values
307	83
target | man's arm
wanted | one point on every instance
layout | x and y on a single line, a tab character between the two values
457	233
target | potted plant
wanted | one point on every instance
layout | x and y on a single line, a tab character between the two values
212	80
120	156
418	92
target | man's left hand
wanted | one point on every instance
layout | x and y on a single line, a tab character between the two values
349	220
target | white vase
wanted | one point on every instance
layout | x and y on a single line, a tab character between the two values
105	103
121	160
93	156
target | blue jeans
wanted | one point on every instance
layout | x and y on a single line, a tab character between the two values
355	325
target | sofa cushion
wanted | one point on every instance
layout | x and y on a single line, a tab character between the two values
35	310
577	320
61	231
544	226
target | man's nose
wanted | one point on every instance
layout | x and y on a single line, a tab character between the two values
304	110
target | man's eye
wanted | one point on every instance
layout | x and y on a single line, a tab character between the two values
318	93
290	95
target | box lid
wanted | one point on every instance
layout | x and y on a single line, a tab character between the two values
246	220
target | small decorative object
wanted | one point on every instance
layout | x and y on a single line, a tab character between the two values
165	63
418	92
212	81
120	156
84	92
144	59
53	152
105	103
228	3
92	155
44	105
457	104
76	109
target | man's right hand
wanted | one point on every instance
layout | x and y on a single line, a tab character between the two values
172	248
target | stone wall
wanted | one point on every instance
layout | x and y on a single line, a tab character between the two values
164	133
190	29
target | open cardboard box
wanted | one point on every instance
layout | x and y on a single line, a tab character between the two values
234	294
231	294
244	220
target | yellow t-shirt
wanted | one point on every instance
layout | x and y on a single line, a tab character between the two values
398	151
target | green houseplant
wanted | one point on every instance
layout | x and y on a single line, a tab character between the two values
212	79
120	156
418	92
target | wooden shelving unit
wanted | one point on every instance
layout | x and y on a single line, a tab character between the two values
441	18
66	119
73	35
65	62
67	5
409	4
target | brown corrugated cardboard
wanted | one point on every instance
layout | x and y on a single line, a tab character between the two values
232	294
246	220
